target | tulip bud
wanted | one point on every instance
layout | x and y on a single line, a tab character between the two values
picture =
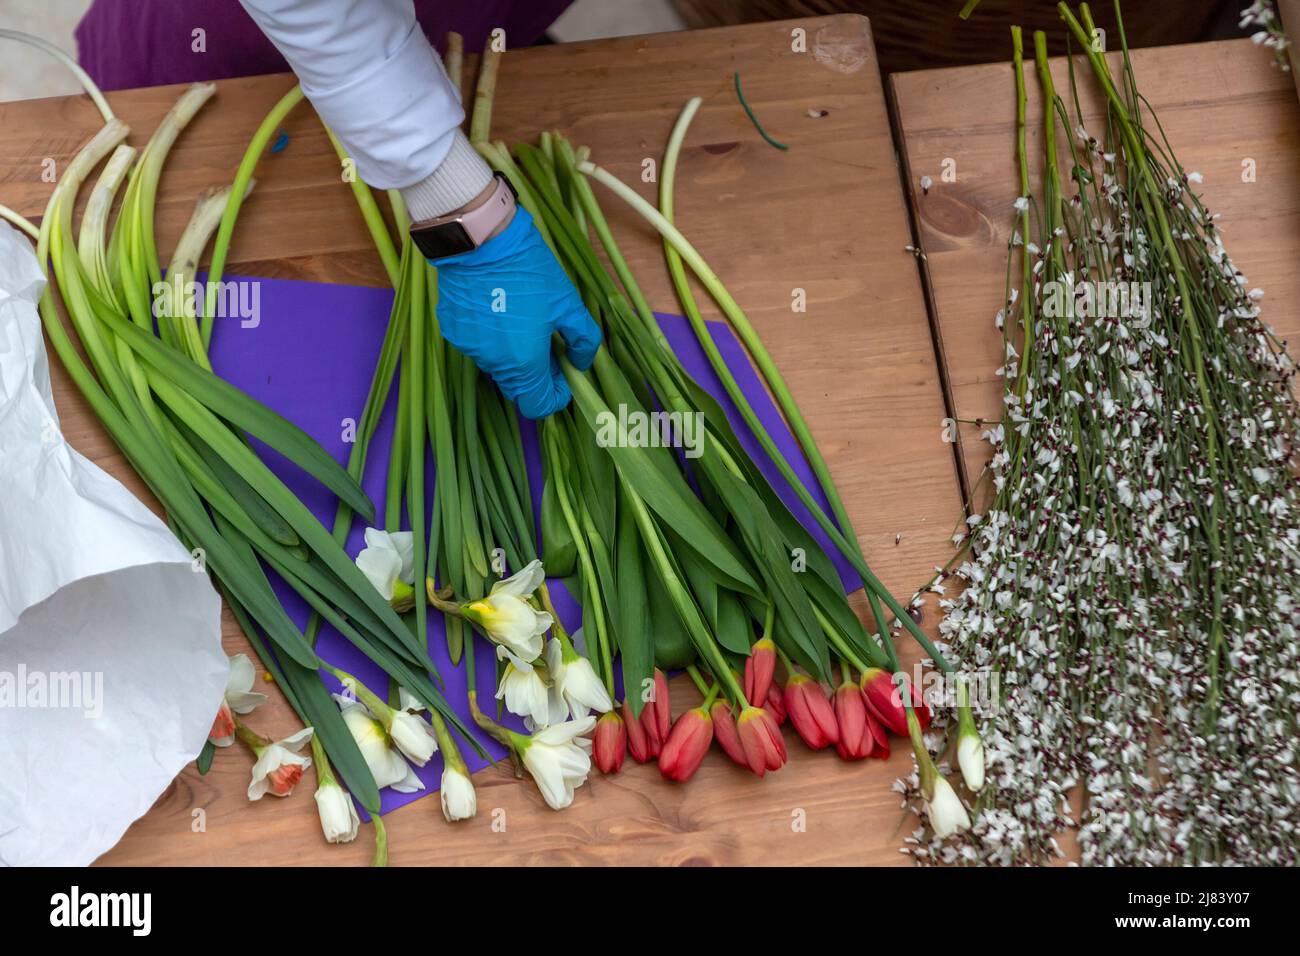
776	704
609	743
725	732
856	739
970	749
761	740
810	712
657	715
639	744
885	700
687	743
760	665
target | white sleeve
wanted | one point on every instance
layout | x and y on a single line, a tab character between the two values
371	74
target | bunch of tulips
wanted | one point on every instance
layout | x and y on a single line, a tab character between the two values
675	567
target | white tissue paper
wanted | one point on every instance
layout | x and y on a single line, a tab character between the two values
111	667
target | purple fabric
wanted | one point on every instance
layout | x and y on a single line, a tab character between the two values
129	43
311	357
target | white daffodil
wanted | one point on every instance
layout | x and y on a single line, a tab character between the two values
576	681
945	810
413	736
507	617
388	562
338	816
458	799
409	702
558	762
279	766
525	692
239	699
387	765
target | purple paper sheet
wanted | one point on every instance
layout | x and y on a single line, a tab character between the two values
311	356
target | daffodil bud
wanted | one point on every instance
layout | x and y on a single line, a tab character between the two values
970	749
338	817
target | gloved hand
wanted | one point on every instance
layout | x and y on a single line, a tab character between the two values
500	303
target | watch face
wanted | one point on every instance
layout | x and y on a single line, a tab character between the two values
445	239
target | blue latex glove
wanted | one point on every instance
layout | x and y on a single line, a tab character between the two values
500	303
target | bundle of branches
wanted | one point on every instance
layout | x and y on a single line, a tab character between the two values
1135	580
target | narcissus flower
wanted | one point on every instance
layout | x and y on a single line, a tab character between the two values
856	739
388	562
279	766
761	740
386	764
970	749
240	699
338	816
688	741
459	802
575	680
508	619
525	692
412	735
885	700
810	712
760	665
557	760
609	743
943	808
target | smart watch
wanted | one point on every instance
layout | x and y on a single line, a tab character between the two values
459	232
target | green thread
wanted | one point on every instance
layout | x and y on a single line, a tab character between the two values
754	119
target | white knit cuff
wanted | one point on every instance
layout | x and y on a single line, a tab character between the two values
460	177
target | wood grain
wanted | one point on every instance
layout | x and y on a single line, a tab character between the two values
828	216
1222	105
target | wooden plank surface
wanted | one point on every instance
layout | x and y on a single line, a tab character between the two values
828	217
1227	111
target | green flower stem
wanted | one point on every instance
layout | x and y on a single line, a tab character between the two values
381	840
239	190
604	653
416	355
480	125
370	213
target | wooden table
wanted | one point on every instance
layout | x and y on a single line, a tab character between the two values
828	216
1222	105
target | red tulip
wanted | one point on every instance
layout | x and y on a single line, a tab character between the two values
725	732
811	712
885	700
879	735
760	665
687	743
761	739
776	704
609	743
639	744
657	714
856	738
